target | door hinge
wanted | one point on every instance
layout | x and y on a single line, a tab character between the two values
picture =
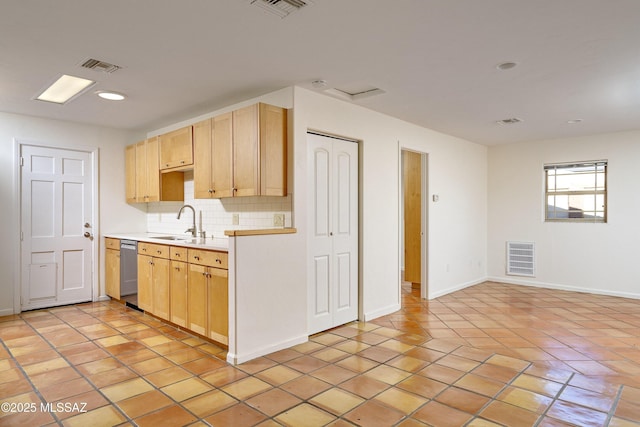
21	236
21	161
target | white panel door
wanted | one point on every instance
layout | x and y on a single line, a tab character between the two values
333	232
57	218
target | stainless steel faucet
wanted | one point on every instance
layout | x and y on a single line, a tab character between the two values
191	230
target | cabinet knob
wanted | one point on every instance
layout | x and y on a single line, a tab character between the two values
182	162
197	258
210	190
218	260
235	189
159	252
167	165
150	262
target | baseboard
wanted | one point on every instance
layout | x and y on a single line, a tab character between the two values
459	287
546	285
236	359
381	312
6	312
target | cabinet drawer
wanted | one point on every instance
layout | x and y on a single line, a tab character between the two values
209	258
151	249
110	243
178	253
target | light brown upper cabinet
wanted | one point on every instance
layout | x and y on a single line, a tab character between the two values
242	153
130	173
147	172
144	183
176	148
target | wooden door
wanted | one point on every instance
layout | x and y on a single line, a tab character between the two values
145	283
412	206
222	155
197	299
160	292
218	305
273	150
202	185
57	221
130	173
178	282
176	148
333	232
112	273
246	161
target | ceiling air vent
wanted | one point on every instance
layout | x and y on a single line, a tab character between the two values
282	8
94	64
510	121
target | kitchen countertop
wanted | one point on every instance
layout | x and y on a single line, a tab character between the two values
260	232
183	240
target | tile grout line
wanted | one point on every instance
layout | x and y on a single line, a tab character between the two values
614	407
555	399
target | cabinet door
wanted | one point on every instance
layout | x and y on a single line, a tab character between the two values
160	291
141	171
202	185
153	171
178	282
218	305
273	150
130	173
176	148
197	299
112	273
246	165
221	155
145	277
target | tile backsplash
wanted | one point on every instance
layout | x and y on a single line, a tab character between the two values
217	215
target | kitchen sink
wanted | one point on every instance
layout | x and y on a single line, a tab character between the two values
179	238
185	239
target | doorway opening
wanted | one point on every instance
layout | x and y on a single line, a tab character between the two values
414	220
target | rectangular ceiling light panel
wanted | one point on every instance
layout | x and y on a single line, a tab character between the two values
64	89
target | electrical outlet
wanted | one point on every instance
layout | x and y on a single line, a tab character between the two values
278	220
235	219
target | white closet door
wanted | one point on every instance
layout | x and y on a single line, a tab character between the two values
56	205
333	232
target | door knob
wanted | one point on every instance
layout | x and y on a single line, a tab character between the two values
87	234
87	225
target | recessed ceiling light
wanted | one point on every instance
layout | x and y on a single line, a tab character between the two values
574	121
64	89
506	66
111	96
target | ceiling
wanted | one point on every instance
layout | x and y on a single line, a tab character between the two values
435	60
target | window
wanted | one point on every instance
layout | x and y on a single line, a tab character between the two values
576	191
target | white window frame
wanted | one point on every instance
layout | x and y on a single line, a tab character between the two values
596	164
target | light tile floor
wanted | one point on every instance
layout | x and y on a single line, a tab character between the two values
492	354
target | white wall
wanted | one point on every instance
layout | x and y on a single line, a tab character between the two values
598	258
115	214
457	173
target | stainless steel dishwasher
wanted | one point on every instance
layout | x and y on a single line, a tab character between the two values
129	272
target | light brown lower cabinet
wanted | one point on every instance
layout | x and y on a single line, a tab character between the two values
208	302
112	273
187	287
178	294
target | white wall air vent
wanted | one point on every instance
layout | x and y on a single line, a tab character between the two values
521	259
95	64
282	8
